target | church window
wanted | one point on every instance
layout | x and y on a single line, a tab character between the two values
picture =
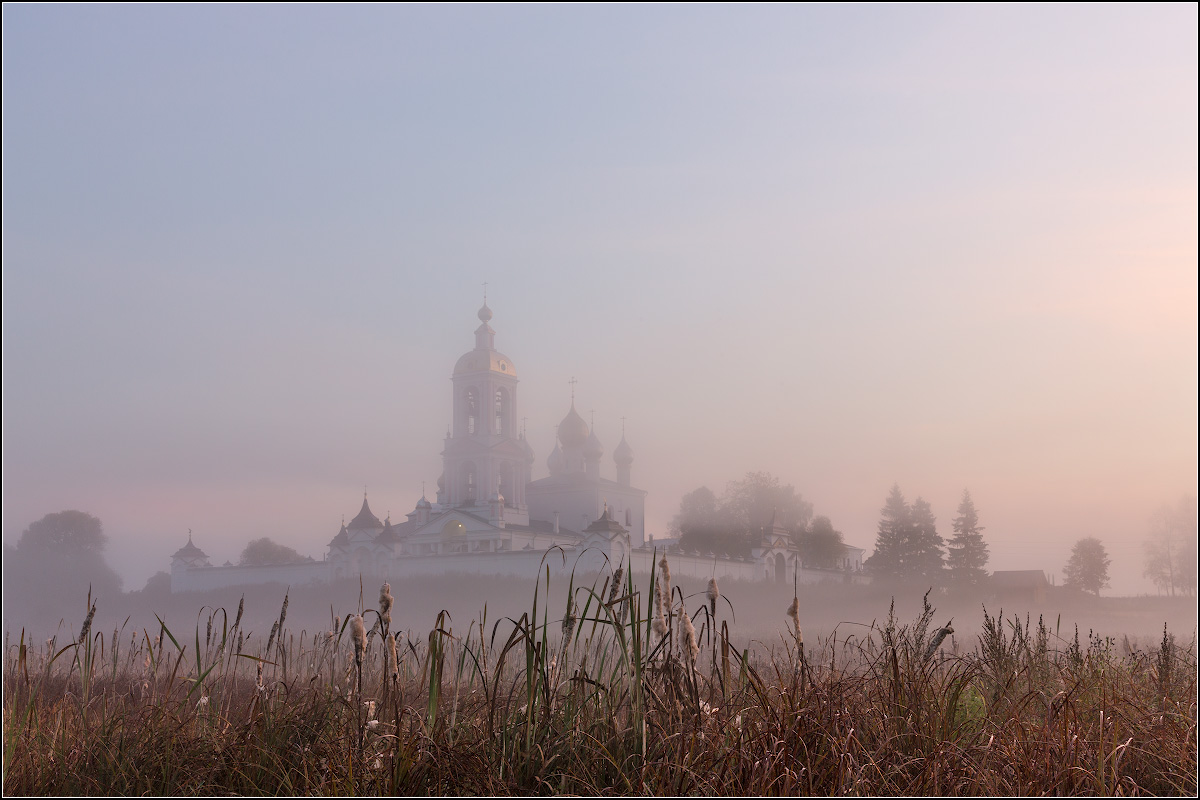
500	426
471	404
468	483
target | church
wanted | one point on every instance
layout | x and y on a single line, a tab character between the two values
491	517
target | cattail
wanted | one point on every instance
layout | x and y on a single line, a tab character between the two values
241	607
385	606
259	678
568	623
616	583
393	659
794	612
241	641
87	624
283	613
208	633
337	624
713	593
665	585
660	624
690	646
936	642
271	638
358	634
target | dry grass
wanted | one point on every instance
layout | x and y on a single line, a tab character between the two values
590	700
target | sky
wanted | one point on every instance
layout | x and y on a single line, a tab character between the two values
854	246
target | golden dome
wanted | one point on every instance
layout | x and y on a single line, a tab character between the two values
485	361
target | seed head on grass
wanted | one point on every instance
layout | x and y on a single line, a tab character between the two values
664	585
87	624
569	620
660	624
385	606
271	638
283	612
392	659
358	634
937	640
691	647
713	593
793	611
616	583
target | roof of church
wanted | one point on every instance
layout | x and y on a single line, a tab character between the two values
535	525
572	478
340	539
189	550
485	361
573	431
365	518
624	453
605	524
388	534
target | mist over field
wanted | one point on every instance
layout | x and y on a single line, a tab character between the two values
852	248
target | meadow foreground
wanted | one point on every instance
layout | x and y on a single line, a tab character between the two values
627	690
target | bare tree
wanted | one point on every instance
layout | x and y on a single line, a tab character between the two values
1170	548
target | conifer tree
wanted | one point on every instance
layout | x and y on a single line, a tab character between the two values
925	558
892	556
968	551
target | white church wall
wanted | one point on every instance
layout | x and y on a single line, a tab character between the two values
200	579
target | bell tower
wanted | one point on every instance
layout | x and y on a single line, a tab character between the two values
484	453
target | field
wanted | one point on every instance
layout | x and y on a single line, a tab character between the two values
624	688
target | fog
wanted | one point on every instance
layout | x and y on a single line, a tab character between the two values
944	248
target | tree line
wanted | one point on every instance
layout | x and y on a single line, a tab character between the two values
908	545
735	522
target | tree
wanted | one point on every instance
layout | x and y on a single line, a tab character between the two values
924	555
56	561
1171	547
64	532
1087	569
262	552
820	545
695	508
891	556
751	503
734	523
968	551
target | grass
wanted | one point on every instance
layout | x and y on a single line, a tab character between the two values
588	699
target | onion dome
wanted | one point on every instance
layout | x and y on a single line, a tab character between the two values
593	449
573	431
189	550
441	484
623	455
555	462
423	503
527	449
485	313
365	518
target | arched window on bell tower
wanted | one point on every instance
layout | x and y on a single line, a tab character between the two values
501	413
469	483
471	408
